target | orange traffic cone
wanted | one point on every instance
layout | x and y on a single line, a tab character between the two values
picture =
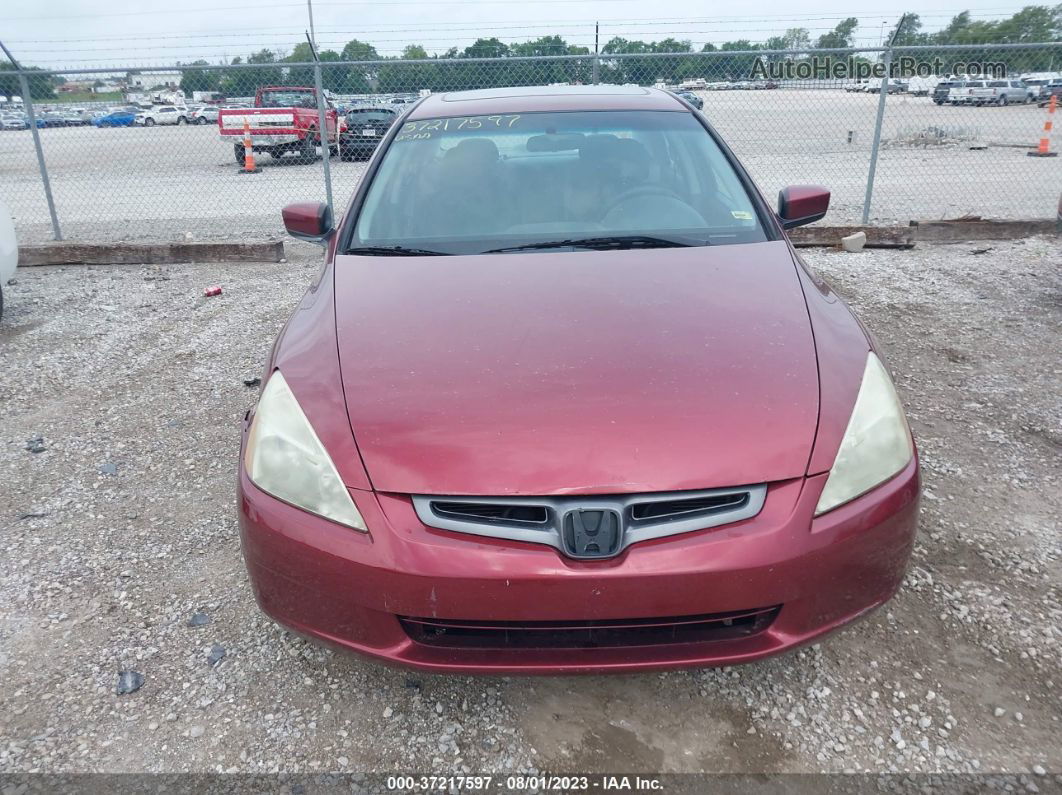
1044	149
248	151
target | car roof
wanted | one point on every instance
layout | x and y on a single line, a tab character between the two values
529	99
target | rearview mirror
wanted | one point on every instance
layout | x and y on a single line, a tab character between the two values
802	204
309	221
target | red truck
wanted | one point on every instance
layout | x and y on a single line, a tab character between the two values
283	119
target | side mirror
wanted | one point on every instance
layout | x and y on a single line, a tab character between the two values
802	204
309	221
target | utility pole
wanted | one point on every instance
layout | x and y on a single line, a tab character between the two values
313	36
597	62
27	102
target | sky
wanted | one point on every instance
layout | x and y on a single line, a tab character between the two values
108	33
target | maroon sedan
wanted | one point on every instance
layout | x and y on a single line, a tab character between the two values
564	398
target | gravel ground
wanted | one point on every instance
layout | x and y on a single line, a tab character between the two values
178	182
122	554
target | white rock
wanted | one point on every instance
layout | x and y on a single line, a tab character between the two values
854	243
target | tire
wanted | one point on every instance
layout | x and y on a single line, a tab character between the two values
307	148
200	120
181	121
1003	101
149	122
238	151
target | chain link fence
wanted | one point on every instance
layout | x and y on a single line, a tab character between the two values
151	162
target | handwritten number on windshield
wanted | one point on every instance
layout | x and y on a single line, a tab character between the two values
419	130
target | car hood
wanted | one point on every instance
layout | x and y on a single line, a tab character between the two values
578	372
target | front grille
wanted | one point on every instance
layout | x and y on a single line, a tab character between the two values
682	508
606	633
593	526
493	512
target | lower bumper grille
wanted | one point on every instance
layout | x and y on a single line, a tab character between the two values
606	633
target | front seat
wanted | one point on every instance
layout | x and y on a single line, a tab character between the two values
470	198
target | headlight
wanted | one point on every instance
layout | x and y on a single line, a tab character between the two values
285	458
876	445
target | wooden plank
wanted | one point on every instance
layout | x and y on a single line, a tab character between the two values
978	229
877	236
147	253
957	231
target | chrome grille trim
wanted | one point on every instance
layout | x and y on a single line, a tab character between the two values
747	502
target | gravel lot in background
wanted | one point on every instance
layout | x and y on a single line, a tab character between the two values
166	183
123	528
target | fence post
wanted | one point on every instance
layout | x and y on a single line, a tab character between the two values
877	137
27	101
323	127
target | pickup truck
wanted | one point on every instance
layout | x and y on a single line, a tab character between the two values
283	119
962	92
1001	92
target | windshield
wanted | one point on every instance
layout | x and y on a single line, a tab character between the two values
468	185
288	99
370	114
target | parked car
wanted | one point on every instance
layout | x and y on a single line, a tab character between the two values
364	130
921	86
1052	89
13	121
691	98
1036	86
50	118
163	114
72	118
564	399
966	94
873	86
117	118
207	115
941	90
8	251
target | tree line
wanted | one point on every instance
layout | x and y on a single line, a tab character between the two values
452	69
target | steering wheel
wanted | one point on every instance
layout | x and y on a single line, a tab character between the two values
638	191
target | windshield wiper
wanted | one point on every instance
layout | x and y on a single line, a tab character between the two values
396	251
609	242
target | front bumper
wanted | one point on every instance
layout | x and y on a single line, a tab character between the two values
349	589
